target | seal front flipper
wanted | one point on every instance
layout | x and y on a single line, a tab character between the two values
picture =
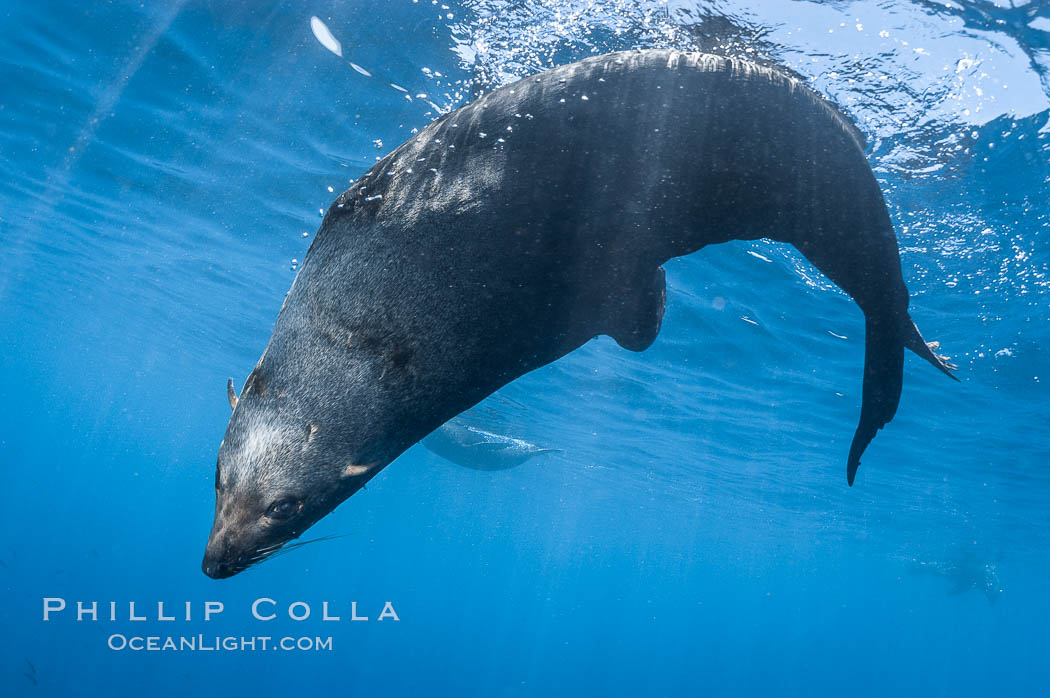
883	377
633	318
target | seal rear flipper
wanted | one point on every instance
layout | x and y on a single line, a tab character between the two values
921	347
883	377
633	319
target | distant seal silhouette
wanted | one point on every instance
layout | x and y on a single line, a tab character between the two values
965	573
480	449
515	229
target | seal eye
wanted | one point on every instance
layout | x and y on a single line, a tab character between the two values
284	509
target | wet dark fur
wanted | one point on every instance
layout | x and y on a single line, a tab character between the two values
508	233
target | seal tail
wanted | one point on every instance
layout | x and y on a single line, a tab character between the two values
885	342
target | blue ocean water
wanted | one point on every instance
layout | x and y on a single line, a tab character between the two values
164	167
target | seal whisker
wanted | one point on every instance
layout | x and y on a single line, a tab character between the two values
269	548
298	544
270	551
301	543
260	555
254	560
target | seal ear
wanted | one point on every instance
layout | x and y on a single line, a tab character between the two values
230	394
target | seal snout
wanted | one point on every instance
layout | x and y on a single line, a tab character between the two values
217	569
227	555
221	558
221	566
217	563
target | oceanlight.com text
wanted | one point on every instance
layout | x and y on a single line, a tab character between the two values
217	643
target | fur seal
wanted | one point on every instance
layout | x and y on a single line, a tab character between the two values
480	449
965	573
515	229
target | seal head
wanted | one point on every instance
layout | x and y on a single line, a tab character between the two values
274	478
